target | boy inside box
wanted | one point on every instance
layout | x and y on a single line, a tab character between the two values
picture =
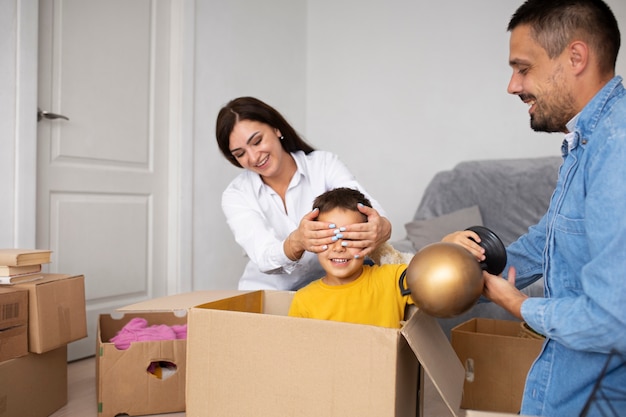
351	291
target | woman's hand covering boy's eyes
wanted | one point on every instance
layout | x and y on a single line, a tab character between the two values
368	235
313	235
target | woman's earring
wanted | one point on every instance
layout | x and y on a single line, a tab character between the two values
282	137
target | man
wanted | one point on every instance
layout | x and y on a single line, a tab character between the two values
563	55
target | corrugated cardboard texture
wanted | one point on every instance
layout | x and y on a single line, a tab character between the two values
57	314
13	342
250	364
277	302
496	359
437	358
124	383
34	385
13	307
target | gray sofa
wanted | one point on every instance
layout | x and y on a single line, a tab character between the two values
505	195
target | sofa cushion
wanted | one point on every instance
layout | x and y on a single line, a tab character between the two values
512	194
425	232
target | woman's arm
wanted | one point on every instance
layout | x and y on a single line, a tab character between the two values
266	233
254	231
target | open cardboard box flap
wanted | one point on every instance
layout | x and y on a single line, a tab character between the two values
437	358
440	362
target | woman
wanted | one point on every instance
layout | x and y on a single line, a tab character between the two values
268	205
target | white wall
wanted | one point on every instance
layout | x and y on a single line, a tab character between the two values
399	89
403	89
243	47
8	51
18	92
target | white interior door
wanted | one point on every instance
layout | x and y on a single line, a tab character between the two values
102	181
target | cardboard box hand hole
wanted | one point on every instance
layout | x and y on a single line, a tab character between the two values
161	369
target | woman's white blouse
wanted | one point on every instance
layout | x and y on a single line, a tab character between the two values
260	224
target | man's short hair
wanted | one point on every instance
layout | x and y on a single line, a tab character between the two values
556	23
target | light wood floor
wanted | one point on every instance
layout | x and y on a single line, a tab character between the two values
81	382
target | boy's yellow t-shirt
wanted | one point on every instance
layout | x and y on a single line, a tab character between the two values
373	298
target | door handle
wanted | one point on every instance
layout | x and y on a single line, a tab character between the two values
42	114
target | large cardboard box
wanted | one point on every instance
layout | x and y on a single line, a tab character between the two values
56	311
246	358
496	357
34	385
13	323
135	381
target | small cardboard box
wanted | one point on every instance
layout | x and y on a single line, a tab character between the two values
497	358
126	379
246	358
127	382
13	307
34	385
13	323
13	342
56	311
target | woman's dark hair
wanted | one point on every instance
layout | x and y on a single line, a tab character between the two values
555	23
250	108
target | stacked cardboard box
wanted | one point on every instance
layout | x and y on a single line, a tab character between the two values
49	313
34	385
13	323
56	311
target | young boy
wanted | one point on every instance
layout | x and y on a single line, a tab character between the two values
350	291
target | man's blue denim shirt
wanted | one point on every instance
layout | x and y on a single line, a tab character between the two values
579	247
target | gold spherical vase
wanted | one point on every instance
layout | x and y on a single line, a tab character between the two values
444	280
